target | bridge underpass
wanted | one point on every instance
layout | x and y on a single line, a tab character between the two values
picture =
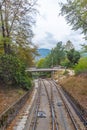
41	72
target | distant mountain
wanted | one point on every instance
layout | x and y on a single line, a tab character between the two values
84	54
43	52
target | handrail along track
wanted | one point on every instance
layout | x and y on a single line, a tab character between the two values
8	115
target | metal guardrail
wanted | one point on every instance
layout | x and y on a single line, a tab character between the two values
8	115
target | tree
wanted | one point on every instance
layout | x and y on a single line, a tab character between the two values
55	57
47	61
58	53
40	63
16	18
73	56
68	46
81	67
75	12
12	72
84	48
27	54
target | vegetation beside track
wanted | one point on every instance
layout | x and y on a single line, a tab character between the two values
77	88
16	49
8	96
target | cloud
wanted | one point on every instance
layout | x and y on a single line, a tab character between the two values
51	28
48	41
76	38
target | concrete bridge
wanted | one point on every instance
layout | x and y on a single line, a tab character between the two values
42	69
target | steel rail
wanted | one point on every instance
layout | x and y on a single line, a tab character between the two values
67	108
37	107
50	99
83	117
53	109
77	110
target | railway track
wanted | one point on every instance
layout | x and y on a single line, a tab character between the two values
53	114
52	102
50	119
80	112
51	110
67	108
33	124
36	109
63	95
62	105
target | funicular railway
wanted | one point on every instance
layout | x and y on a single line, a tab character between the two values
49	109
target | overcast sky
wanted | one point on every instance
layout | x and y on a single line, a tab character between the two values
51	28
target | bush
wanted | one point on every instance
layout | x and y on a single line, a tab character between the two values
12	71
66	63
81	67
73	56
25	82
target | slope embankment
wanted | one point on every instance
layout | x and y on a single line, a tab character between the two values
76	86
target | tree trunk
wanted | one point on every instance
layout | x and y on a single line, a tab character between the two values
6	47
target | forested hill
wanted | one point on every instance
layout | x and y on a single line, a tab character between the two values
43	52
84	54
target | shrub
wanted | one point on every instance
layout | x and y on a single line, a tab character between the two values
25	82
12	71
81	67
73	56
66	63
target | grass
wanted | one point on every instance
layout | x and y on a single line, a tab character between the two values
77	87
8	96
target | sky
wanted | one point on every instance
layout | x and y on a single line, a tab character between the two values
51	28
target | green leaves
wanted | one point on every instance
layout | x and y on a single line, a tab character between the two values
12	71
55	57
84	48
58	53
40	63
73	56
16	20
81	67
75	13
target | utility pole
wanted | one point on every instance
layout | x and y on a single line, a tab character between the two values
52	61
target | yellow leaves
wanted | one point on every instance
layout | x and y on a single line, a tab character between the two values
27	55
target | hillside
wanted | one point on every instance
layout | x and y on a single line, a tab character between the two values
77	87
8	96
43	52
83	54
